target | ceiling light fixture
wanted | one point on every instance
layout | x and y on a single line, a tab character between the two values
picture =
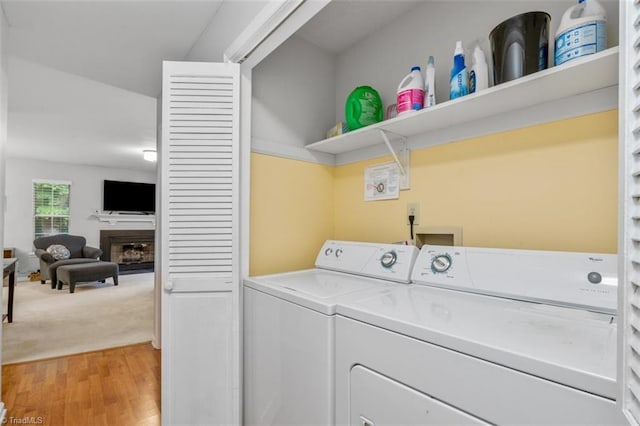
150	155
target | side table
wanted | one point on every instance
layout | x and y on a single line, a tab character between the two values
9	270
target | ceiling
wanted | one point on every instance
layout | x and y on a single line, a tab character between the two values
84	74
345	22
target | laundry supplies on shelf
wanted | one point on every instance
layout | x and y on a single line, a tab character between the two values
459	76
582	31
430	84
411	92
363	107
479	74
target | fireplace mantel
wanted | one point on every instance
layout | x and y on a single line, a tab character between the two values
114	219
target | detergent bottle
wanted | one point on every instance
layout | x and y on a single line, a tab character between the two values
430	84
582	31
363	108
479	74
411	92
459	76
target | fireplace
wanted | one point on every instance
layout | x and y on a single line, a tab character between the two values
131	249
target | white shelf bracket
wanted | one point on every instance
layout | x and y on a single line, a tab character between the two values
402	160
385	138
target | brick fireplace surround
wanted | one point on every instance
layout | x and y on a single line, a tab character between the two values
131	249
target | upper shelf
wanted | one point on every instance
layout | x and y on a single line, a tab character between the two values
579	76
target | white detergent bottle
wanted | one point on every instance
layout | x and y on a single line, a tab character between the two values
430	84
479	74
459	76
582	31
411	92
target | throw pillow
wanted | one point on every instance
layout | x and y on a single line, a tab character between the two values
58	251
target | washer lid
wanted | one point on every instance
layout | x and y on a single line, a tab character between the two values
564	345
316	289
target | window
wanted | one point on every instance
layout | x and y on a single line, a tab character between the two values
50	208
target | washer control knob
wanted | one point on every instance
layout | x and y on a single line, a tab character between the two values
389	259
441	263
328	251
594	278
338	252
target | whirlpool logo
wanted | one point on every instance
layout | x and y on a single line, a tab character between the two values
596	259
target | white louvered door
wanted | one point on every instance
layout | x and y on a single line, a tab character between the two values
199	167
629	283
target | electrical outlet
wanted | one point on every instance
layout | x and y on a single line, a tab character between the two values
413	209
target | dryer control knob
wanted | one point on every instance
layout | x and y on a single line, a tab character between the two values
389	259
594	277
441	263
338	252
328	251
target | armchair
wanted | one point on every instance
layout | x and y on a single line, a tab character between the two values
78	250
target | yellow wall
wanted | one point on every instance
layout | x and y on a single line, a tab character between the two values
291	213
547	187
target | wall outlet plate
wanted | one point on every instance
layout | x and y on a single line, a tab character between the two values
413	209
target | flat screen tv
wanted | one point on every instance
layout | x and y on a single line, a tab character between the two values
132	197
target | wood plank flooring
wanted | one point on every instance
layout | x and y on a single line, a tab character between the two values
119	386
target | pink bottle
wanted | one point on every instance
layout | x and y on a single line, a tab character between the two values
411	92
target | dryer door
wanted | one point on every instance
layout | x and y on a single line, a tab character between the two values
375	399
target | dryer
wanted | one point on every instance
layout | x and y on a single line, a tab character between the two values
289	329
483	336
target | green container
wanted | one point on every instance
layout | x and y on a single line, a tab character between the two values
363	107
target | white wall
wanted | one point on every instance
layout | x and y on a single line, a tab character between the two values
292	94
86	199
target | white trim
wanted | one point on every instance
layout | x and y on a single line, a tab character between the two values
260	28
627	205
53	181
236	289
245	217
113	219
277	34
291	152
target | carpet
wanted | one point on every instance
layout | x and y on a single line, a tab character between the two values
48	323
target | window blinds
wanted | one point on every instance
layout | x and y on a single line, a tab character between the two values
50	208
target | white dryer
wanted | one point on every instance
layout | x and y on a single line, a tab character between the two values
483	336
289	329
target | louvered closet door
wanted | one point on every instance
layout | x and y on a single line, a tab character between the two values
629	283
199	261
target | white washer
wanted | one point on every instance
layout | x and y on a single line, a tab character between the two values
289	329
483	336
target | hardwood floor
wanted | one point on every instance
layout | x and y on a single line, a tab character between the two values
119	386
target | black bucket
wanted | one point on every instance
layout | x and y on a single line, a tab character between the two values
520	46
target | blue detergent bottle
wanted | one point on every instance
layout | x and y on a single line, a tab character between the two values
459	76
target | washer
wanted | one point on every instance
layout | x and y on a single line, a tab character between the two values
483	336
289	329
